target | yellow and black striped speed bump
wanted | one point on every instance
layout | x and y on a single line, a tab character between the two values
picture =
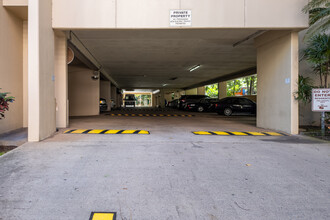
103	216
94	131
151	115
240	133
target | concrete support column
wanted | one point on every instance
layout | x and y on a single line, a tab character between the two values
25	74
61	81
201	90
222	90
41	115
105	90
162	98
277	64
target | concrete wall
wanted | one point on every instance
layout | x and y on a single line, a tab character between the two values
277	64
84	93
201	90
105	91
11	63
41	70
155	13
25	74
191	91
61	81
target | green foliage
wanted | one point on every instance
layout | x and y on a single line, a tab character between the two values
233	87
317	54
4	103
305	86
212	90
319	16
249	83
143	100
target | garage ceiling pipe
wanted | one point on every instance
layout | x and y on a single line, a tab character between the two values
87	57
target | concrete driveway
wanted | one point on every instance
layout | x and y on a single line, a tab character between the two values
169	174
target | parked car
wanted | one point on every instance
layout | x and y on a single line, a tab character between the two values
103	105
229	105
173	104
201	105
189	98
129	101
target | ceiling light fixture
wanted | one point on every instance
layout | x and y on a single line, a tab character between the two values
165	85
194	68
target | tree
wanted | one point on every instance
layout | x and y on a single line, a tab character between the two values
4	103
212	90
319	16
304	93
317	54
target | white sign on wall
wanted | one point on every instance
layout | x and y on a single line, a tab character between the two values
180	18
321	100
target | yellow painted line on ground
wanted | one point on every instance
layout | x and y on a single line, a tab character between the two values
237	133
103	216
99	131
220	133
256	133
144	132
274	133
95	131
202	133
112	132
78	131
128	131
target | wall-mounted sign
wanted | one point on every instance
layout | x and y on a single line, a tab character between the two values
321	100
180	18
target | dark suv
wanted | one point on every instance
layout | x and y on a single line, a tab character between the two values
229	105
190	98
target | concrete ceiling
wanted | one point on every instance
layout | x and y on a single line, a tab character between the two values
150	58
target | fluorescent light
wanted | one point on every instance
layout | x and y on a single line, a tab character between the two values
165	84
194	68
156	91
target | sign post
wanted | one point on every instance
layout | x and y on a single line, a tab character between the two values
321	103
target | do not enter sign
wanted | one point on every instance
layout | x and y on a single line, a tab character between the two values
321	100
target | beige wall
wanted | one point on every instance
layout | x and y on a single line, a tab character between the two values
61	81
277	64
105	91
191	91
11	71
201	90
155	13
25	74
84	93
41	71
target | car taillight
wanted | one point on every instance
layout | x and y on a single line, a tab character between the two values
216	105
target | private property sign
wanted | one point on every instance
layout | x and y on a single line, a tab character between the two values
180	18
321	100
